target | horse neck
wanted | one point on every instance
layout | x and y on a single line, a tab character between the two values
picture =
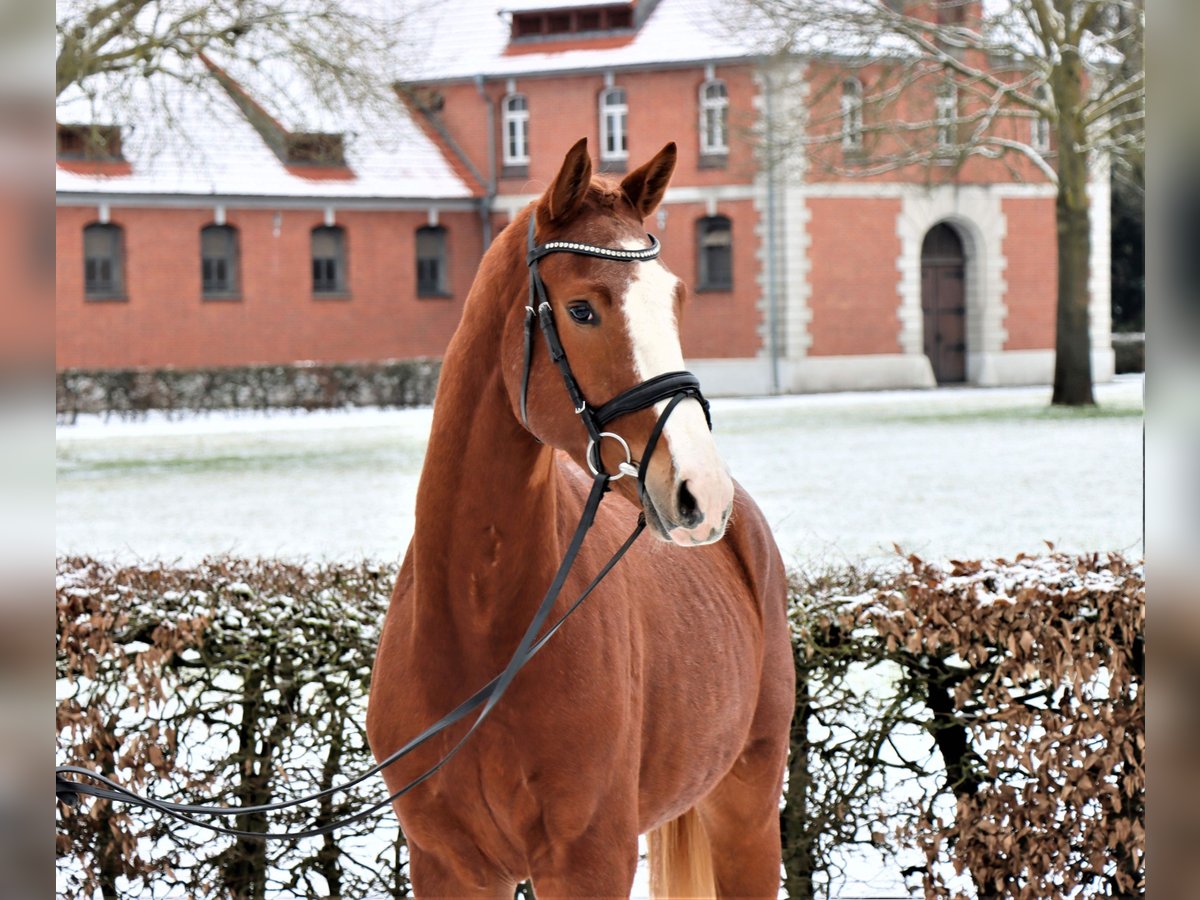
486	531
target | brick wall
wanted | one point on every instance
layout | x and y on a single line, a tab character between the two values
1031	274
854	277
663	106
165	322
716	323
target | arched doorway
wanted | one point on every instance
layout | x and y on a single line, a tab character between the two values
944	303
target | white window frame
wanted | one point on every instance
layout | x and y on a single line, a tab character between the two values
614	122
516	130
947	115
852	114
714	141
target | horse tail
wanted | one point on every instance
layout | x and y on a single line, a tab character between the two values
681	862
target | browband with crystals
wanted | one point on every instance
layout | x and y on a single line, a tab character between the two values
638	255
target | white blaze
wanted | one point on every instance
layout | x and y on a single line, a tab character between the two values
654	335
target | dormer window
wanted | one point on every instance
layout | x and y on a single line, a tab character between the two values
314	149
534	24
94	143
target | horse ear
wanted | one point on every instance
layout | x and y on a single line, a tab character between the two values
645	186
570	184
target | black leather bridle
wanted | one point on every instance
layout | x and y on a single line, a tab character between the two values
675	387
672	386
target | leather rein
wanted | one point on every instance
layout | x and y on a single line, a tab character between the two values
673	387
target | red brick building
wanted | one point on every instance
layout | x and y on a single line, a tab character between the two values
358	239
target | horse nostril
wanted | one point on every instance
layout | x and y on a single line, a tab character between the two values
689	513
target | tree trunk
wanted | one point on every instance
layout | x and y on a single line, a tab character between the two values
1073	352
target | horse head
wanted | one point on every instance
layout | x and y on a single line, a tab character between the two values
618	323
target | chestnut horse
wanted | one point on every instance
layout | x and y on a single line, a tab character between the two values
664	704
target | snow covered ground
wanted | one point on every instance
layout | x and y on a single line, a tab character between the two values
947	473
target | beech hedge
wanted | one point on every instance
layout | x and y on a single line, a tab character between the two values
978	725
130	393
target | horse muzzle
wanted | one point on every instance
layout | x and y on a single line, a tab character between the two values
691	509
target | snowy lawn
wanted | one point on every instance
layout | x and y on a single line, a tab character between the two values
842	477
948	473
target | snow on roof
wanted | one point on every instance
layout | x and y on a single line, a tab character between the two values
465	38
542	5
190	138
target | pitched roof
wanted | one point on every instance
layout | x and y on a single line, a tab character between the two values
190	138
465	38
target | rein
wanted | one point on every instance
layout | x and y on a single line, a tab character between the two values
674	387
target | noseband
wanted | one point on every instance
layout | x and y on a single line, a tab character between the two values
673	386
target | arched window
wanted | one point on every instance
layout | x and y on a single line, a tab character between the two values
516	130
1040	126
432	280
714	254
714	119
328	260
947	116
614	112
852	115
103	262
218	261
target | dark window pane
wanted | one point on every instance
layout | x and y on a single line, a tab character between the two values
329	260
102	249
218	260
431	262
714	261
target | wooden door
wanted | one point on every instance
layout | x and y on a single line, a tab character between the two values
943	301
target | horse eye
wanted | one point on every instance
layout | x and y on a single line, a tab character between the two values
582	313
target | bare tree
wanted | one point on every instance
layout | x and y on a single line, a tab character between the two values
302	52
1048	88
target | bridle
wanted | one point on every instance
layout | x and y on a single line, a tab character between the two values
675	387
672	386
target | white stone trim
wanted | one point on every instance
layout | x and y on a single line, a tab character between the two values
330	218
857	373
734	377
978	216
103	213
1012	367
1018	367
1100	277
751	376
219	214
511	204
744	377
893	190
797	267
